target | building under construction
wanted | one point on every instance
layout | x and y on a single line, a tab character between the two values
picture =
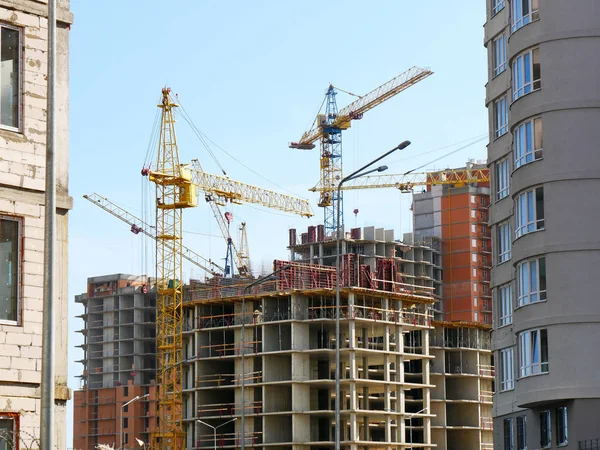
119	362
284	328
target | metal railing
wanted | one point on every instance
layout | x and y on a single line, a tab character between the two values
590	444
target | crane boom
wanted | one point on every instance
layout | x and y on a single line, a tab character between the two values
139	226
406	182
236	192
356	109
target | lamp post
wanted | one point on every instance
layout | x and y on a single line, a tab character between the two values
410	416
243	344
356	174
215	428
134	399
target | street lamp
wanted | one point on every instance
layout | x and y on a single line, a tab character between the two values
141	443
243	344
410	416
215	428
356	174
134	399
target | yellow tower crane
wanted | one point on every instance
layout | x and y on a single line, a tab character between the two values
328	129
176	186
406	182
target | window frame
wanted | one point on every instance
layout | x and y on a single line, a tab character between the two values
509	437
531	278
502	179
521	432
518	21
528	142
561	415
20	248
497	6
522	63
20	71
530	343
499	60
505	304
501	112
527	211
15	418
545	435
507	369
503	242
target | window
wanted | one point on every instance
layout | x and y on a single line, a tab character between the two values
10	77
561	426
521	433
508	435
472	199
473	228
8	429
526	73
529	211
473	213
505	304
474	257
474	271
502	183
473	242
533	349
524	12
531	281
499	48
501	116
475	301
126	422
475	286
507	376
125	391
10	273
503	242
528	142
497	6
545	432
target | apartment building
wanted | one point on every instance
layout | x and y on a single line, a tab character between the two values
544	108
457	214
23	87
119	362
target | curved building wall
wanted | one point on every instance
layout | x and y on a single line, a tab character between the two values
561	242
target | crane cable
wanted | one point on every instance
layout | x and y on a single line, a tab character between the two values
203	138
447	154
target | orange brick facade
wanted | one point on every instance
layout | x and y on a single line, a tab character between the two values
96	416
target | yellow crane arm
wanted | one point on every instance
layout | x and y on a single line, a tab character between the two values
237	192
356	109
458	177
139	226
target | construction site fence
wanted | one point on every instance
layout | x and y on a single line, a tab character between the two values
415	316
295	276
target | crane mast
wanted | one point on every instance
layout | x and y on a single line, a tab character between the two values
174	192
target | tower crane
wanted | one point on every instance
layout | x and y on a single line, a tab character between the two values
176	188
139	226
328	129
406	182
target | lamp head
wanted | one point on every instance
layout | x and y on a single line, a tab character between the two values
403	145
382	168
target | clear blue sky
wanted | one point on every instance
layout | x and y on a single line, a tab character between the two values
252	76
